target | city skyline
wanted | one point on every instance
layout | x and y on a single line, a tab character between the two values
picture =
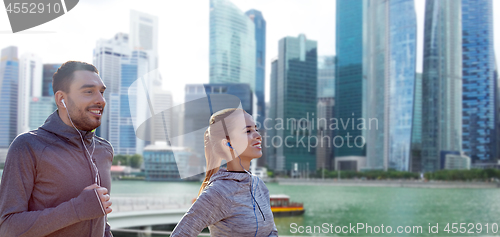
192	35
359	40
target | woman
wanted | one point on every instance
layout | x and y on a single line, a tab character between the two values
231	202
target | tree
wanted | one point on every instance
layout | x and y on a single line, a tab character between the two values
136	161
120	160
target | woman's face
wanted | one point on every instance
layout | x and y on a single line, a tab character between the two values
246	138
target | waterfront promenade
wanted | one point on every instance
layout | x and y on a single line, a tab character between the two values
387	183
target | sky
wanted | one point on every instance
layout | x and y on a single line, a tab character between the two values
183	42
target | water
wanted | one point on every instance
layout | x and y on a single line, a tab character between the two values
372	206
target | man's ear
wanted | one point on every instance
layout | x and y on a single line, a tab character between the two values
58	96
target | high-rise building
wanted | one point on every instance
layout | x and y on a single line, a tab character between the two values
48	72
40	108
260	71
162	124
232	45
296	98
389	61
260	63
269	123
416	130
441	82
121	131
325	109
349	74
326	76
144	36
497	114
193	119
9	79
107	59
30	85
478	132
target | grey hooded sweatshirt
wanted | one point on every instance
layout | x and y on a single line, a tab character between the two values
226	207
46	170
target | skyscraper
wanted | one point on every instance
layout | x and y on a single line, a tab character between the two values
121	131
107	59
441	82
144	36
296	98
30	85
497	114
416	130
389	61
260	70
349	73
232	45
270	149
48	72
260	63
478	81
325	109
162	124
326	76
9	76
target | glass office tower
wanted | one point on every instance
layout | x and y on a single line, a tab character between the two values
260	62
389	54
478	81
349	72
441	82
296	98
325	109
232	45
9	78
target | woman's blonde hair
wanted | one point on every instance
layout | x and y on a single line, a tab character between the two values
212	137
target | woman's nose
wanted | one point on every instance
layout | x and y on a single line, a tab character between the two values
258	136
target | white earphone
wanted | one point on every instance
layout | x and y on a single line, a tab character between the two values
63	103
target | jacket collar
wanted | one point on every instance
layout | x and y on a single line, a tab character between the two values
228	175
55	125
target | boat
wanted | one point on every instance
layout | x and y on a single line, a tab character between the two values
281	206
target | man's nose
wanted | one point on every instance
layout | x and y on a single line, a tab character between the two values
100	100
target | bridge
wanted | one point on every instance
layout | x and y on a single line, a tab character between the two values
146	212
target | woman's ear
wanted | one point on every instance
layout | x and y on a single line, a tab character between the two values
226	143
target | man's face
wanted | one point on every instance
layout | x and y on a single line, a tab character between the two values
85	102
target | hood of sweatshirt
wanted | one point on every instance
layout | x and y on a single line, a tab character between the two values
224	174
56	126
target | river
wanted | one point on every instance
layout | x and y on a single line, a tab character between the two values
335	210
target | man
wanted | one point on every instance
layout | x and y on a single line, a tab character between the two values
56	178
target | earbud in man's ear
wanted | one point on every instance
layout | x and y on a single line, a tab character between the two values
229	145
63	103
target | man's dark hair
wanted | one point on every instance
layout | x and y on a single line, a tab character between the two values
64	75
